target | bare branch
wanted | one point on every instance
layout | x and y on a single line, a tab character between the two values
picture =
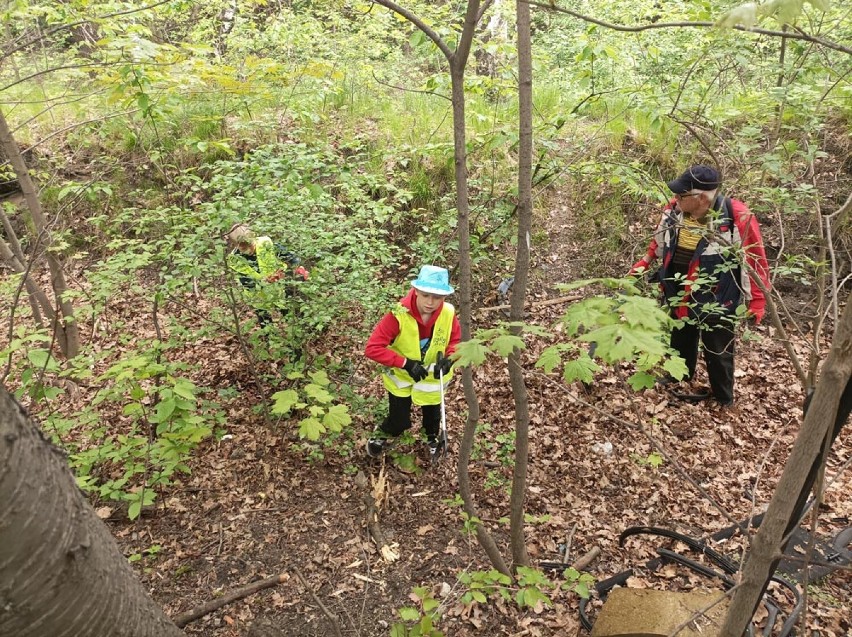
410	90
793	35
71	25
411	17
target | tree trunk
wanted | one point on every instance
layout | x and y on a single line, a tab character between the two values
787	502
458	62
61	572
519	287
68	326
38	299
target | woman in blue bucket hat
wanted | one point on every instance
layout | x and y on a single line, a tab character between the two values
414	342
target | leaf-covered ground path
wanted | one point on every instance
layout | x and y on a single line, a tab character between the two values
254	506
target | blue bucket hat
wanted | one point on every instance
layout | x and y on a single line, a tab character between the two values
433	280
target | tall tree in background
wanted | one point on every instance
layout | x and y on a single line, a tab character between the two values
61	572
519	287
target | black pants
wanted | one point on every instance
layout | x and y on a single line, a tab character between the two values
718	344
399	417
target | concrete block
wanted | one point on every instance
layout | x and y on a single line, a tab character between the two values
638	612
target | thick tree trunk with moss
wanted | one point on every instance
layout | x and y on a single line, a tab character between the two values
61	572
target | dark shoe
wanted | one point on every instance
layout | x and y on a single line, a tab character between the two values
376	447
726	405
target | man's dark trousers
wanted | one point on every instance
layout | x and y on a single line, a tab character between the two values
717	340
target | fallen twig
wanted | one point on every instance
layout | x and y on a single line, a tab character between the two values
568	539
241	593
556	301
587	559
331	616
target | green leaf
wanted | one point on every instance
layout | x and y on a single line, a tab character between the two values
185	389
311	428
319	394
131	409
589	313
42	359
549	359
284	401
409	614
640	311
165	409
618	342
582	368
745	14
430	603
471	353
320	378
655	459
399	630
505	344
582	589
641	380
134	509
479	597
676	366
337	418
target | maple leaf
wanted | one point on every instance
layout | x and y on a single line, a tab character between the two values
471	353
318	393
311	428
337	418
582	369
618	342
676	366
588	313
505	344
641	380
640	311
549	358
284	401
320	377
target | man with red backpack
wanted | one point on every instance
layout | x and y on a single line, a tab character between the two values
711	255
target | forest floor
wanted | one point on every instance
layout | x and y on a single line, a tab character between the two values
253	507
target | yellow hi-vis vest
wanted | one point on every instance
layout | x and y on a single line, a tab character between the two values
263	295
407	344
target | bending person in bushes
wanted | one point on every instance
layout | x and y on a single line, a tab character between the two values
260	265
711	250
408	341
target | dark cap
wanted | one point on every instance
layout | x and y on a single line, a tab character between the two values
698	177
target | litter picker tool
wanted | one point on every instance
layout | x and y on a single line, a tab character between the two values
442	440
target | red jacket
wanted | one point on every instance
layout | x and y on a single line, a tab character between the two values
743	233
387	330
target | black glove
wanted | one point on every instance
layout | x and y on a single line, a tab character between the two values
415	370
442	365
